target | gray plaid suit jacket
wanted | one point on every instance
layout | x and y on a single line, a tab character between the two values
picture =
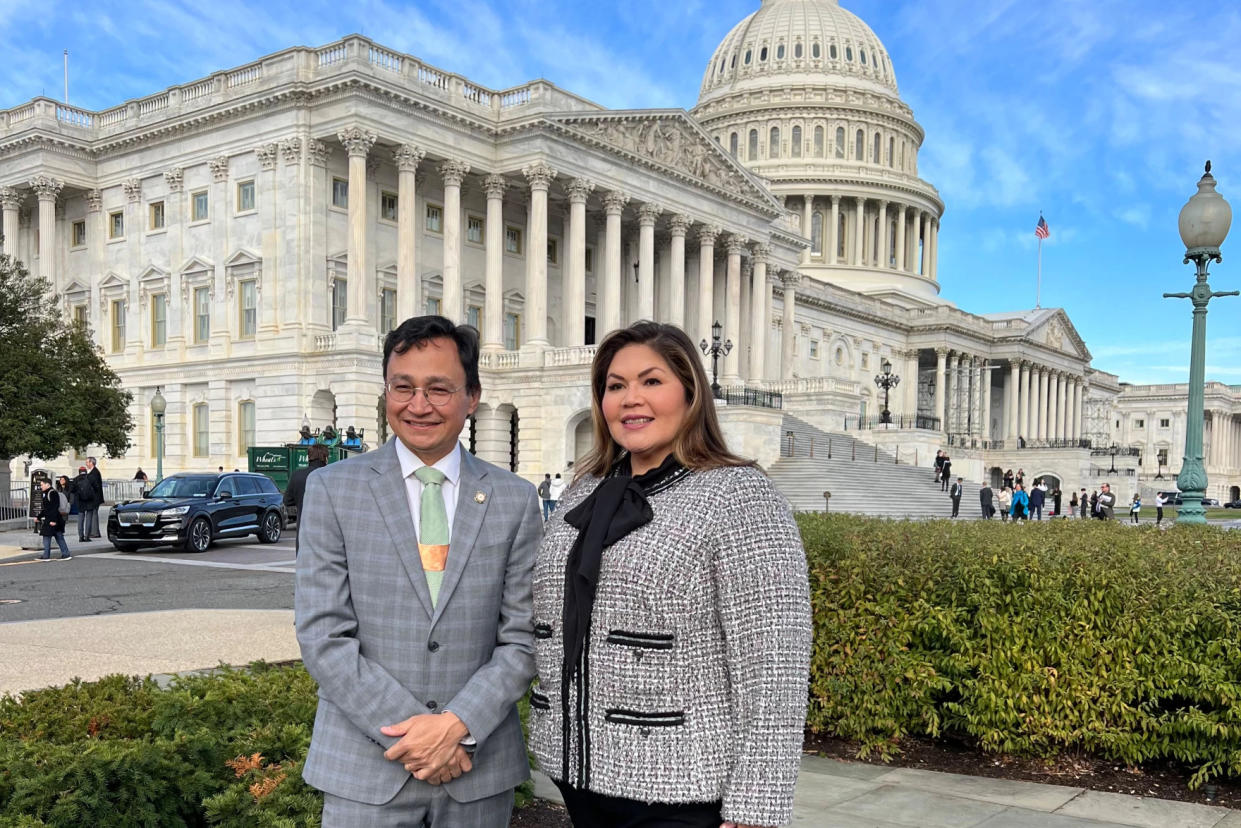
380	652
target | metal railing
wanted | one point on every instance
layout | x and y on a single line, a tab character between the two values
1108	472
16	503
118	491
922	421
1022	444
826	448
1119	451
751	396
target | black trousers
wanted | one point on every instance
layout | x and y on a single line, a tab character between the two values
588	809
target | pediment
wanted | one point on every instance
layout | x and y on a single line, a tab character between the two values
243	257
1056	331
670	141
76	288
113	282
197	264
152	273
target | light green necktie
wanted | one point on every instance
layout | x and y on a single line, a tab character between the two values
432	528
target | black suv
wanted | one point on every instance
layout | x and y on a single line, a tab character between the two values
190	510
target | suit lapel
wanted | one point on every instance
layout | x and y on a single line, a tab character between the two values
466	522
388	487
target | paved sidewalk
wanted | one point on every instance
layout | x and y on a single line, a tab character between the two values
830	793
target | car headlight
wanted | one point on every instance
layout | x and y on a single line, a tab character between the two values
175	511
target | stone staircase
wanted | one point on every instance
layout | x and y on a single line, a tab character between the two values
861	478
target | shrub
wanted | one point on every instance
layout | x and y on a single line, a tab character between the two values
1031	639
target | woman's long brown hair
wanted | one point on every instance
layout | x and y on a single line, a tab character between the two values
700	443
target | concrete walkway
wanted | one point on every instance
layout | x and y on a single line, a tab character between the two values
830	793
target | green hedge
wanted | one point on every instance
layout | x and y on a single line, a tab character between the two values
1032	639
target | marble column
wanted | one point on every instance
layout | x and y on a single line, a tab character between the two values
1079	406
760	297
1024	407
736	246
1061	392
773	279
909	380
453	304
47	189
807	211
10	203
1040	405
706	282
941	364
494	186
407	158
610	297
883	261
574	285
1070	412
540	175
952	418
357	143
678	225
926	244
975	398
859	213
788	346
900	238
935	249
833	230
985	414
1011	419
648	214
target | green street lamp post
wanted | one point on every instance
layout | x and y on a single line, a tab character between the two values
158	406
1204	223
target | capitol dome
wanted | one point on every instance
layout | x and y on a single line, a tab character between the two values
798	38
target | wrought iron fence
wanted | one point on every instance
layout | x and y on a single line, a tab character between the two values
751	396
1022	444
1119	451
895	421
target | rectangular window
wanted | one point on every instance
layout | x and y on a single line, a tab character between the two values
198	206
340	193
247	308
433	306
387	310
79	315
116	225
434	222
156	211
202	431
387	206
159	320
118	325
79	233
512	240
1139	423
1165	423
512	331
814	348
474	317
202	314
245	426
553	251
474	229
340	301
245	196
590	260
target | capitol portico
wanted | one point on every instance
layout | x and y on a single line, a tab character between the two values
244	242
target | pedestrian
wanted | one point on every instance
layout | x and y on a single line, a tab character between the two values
1073	505
1135	507
81	494
545	495
659	512
1037	498
1086	506
945	473
1008	479
939	465
140	475
295	492
557	490
1107	502
421	649
1160	500
91	501
955	493
1006	503
1056	498
52	520
1020	478
985	498
1021	503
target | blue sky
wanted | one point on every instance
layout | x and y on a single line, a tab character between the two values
1100	113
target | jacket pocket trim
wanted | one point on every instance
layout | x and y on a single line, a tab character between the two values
646	641
640	719
538	701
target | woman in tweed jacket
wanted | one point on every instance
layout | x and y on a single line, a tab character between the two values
672	613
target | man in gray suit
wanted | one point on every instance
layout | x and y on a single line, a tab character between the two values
414	609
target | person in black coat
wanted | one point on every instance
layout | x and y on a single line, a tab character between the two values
81	489
945	473
295	492
985	499
52	522
955	493
96	482
1037	498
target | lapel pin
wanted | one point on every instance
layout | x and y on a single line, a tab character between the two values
479	497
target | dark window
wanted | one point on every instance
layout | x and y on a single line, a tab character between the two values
762	54
831	51
797	50
266	486
780	52
816	51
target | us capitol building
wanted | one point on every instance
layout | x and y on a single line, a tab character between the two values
244	242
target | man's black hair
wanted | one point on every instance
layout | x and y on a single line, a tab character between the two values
418	330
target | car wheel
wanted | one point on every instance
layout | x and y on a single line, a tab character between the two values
125	547
199	538
270	532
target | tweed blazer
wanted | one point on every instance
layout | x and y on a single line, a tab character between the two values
694	680
378	648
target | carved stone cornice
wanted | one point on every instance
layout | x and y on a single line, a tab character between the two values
614	202
267	155
10	199
494	185
708	233
219	168
539	174
407	157
454	172
579	189
648	214
94	200
679	224
133	189
737	245
791	279
291	150
317	152
46	187
357	141
175	179
760	253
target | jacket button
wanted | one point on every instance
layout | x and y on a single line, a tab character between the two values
431	705
646	731
433	646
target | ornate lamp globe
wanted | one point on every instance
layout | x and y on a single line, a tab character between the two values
1205	218
158	404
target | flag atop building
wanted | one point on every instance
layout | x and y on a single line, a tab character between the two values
1042	230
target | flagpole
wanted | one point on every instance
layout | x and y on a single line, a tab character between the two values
1038	291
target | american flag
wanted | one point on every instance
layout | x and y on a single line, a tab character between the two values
1042	230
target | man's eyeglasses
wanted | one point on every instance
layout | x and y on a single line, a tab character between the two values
403	392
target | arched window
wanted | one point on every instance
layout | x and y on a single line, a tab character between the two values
721	69
842	225
780	52
797	50
831	51
816	51
754	145
859	148
862	55
816	233
732	144
762	55
818	142
747	57
891	152
840	142
877	145
773	143
732	64
849	53
795	142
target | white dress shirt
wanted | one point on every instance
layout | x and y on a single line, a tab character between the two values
449	464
